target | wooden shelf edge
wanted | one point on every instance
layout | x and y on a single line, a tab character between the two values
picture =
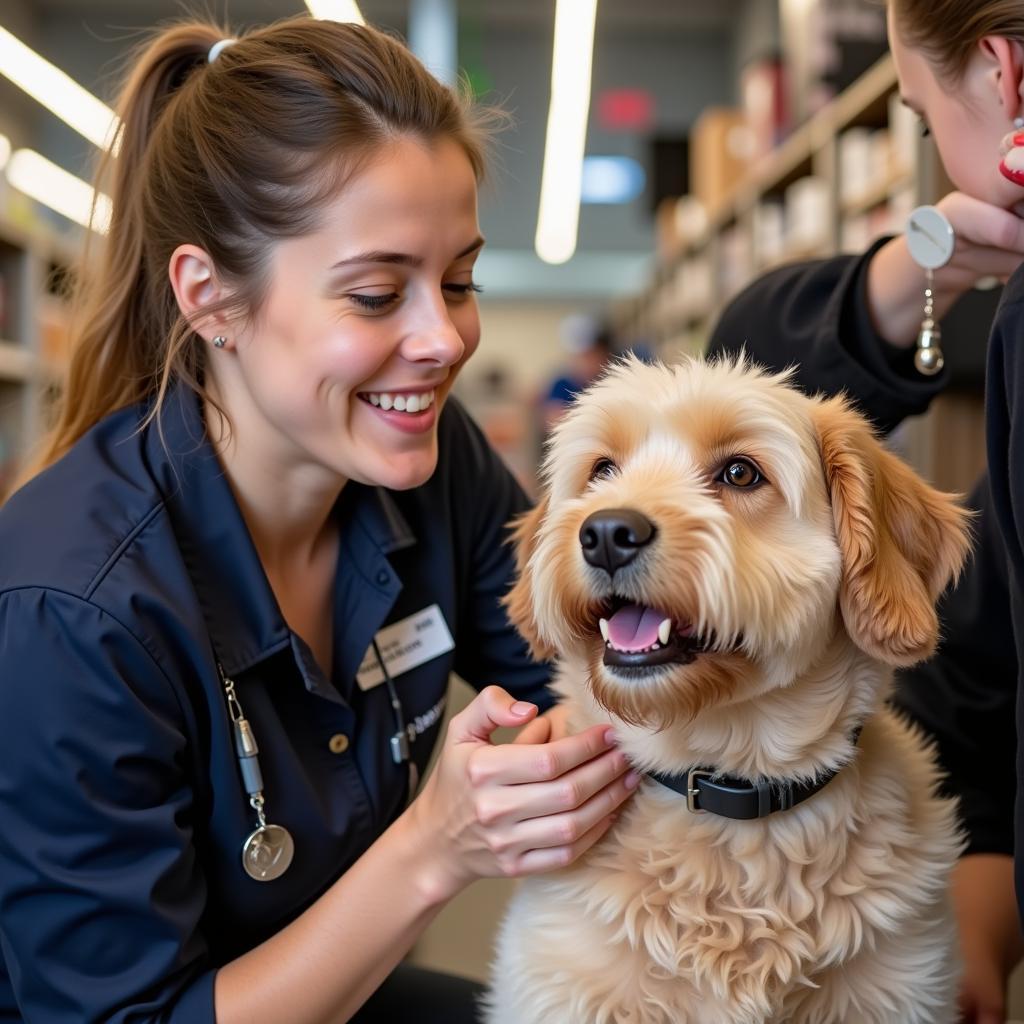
17	364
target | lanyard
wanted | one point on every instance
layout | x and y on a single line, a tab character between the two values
268	850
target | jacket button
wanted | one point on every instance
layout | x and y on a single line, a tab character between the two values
382	577
338	743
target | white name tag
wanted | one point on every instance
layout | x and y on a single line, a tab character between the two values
405	644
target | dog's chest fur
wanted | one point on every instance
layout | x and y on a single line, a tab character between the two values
684	918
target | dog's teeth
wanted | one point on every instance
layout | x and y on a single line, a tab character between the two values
665	630
603	623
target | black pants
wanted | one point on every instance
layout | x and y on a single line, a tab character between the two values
414	995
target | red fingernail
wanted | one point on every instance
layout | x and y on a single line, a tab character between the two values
1017	177
1018	138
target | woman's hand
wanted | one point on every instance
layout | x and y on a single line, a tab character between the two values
989	243
990	938
552	725
517	808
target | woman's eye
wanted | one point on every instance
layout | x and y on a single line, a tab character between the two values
925	130
602	468
373	302
740	473
462	290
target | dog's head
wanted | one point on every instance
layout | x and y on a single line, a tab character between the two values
705	527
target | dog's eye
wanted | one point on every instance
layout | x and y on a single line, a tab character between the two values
602	468
740	473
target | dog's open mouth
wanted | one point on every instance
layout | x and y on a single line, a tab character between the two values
637	636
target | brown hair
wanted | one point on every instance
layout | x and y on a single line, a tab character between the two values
230	156
947	31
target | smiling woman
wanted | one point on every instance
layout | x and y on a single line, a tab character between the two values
265	536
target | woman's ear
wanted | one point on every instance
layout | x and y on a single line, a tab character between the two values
1004	59
196	287
901	540
519	600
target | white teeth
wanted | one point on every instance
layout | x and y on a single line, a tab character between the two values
403	403
603	623
665	630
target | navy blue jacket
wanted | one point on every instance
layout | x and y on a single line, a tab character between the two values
126	574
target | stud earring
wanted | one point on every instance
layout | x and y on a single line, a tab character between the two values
931	240
1011	164
220	341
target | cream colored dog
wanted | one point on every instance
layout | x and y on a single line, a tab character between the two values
725	569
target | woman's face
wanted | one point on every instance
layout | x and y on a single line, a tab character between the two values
372	314
967	120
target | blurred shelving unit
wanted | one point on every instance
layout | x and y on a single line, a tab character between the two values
850	174
33	337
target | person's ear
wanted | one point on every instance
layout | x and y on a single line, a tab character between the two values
1004	60
196	287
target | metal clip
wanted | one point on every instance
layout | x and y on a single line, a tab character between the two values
692	792
400	747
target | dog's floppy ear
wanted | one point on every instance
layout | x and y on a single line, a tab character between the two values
519	600
901	540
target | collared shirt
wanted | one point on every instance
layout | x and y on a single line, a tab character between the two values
126	575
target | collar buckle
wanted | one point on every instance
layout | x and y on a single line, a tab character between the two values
693	791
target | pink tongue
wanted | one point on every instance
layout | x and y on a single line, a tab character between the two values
634	627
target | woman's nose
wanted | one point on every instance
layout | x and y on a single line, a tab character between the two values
436	341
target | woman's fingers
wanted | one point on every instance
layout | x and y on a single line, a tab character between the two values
538	731
538	861
514	763
983	224
509	804
553	831
490	709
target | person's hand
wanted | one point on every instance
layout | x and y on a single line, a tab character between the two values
990	938
989	243
517	808
552	725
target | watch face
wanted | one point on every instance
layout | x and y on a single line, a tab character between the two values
930	237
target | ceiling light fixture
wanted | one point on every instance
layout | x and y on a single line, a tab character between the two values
31	173
56	91
558	219
336	10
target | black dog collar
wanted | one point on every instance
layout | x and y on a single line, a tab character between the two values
730	797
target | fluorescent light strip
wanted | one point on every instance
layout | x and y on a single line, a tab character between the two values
336	10
33	174
558	220
56	91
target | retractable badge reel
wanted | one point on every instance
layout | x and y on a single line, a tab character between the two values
268	850
931	241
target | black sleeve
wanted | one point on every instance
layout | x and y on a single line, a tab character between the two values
1004	435
814	316
965	696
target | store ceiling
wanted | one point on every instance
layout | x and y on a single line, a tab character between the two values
678	51
636	14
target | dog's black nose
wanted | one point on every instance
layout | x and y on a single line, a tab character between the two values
613	537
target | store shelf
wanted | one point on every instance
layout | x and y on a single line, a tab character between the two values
878	194
17	364
814	221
